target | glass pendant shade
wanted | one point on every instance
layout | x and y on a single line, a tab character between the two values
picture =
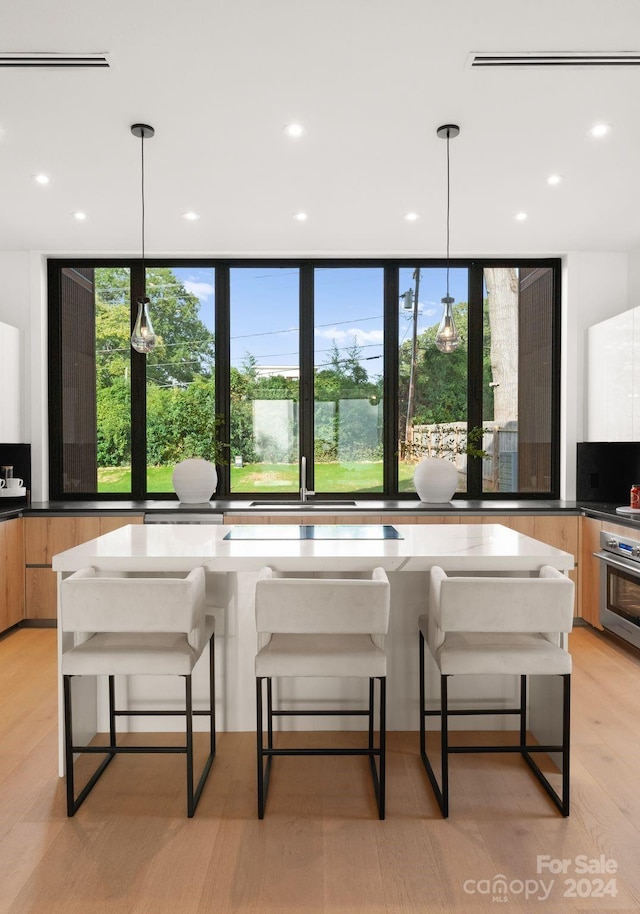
447	338
143	338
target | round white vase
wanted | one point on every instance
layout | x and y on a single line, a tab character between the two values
194	480
435	479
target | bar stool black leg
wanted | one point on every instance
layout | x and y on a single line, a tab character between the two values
383	747
444	748
189	745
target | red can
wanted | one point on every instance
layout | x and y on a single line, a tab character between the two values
635	495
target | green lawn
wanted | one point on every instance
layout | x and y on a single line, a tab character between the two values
265	478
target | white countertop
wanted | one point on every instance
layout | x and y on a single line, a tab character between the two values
456	547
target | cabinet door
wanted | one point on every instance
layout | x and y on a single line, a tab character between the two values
521	523
589	578
41	593
560	531
435	519
46	536
10	383
611	374
11	572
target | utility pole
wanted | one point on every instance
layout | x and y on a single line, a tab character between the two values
414	359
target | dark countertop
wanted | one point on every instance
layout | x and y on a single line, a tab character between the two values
601	511
7	511
235	506
238	506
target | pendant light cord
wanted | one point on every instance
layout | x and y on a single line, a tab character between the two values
142	195
448	210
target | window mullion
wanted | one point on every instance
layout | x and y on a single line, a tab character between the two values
390	381
306	390
138	395
475	372
223	367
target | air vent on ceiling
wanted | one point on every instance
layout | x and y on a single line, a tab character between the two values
480	59
53	61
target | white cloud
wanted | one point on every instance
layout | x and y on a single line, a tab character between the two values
346	337
429	308
199	289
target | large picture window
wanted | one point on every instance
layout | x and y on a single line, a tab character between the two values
335	362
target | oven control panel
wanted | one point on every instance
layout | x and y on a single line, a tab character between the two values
624	547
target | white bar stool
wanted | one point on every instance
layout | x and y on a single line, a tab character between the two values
135	626
321	627
497	625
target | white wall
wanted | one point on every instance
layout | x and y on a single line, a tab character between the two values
595	286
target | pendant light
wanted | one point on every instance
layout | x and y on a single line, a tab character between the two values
447	338
143	338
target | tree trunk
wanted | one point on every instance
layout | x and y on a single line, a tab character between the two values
502	296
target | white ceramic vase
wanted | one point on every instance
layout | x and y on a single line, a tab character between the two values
194	480
435	479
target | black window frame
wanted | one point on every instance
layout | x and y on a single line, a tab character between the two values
306	266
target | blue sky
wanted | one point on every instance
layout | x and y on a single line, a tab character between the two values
348	308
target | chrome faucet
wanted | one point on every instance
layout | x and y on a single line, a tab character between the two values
304	492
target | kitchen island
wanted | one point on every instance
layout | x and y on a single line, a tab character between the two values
233	554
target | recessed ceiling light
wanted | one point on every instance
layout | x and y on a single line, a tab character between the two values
412	217
190	217
599	130
520	217
41	179
295	131
554	179
301	217
80	216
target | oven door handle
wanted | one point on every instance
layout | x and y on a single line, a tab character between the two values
621	564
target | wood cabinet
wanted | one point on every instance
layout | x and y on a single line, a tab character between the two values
44	537
590	571
11	572
559	530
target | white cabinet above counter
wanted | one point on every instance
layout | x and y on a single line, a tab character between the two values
10	383
613	372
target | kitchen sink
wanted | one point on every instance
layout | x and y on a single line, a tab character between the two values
305	506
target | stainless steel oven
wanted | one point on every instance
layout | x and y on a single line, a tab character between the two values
620	586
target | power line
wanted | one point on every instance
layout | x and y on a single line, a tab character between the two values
357	320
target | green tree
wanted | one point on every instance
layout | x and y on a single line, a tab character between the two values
114	427
178	420
345	379
441	382
185	346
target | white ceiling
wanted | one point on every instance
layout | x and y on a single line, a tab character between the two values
370	80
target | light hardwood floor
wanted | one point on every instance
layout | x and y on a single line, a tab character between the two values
131	849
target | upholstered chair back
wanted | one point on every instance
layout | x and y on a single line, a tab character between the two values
92	603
